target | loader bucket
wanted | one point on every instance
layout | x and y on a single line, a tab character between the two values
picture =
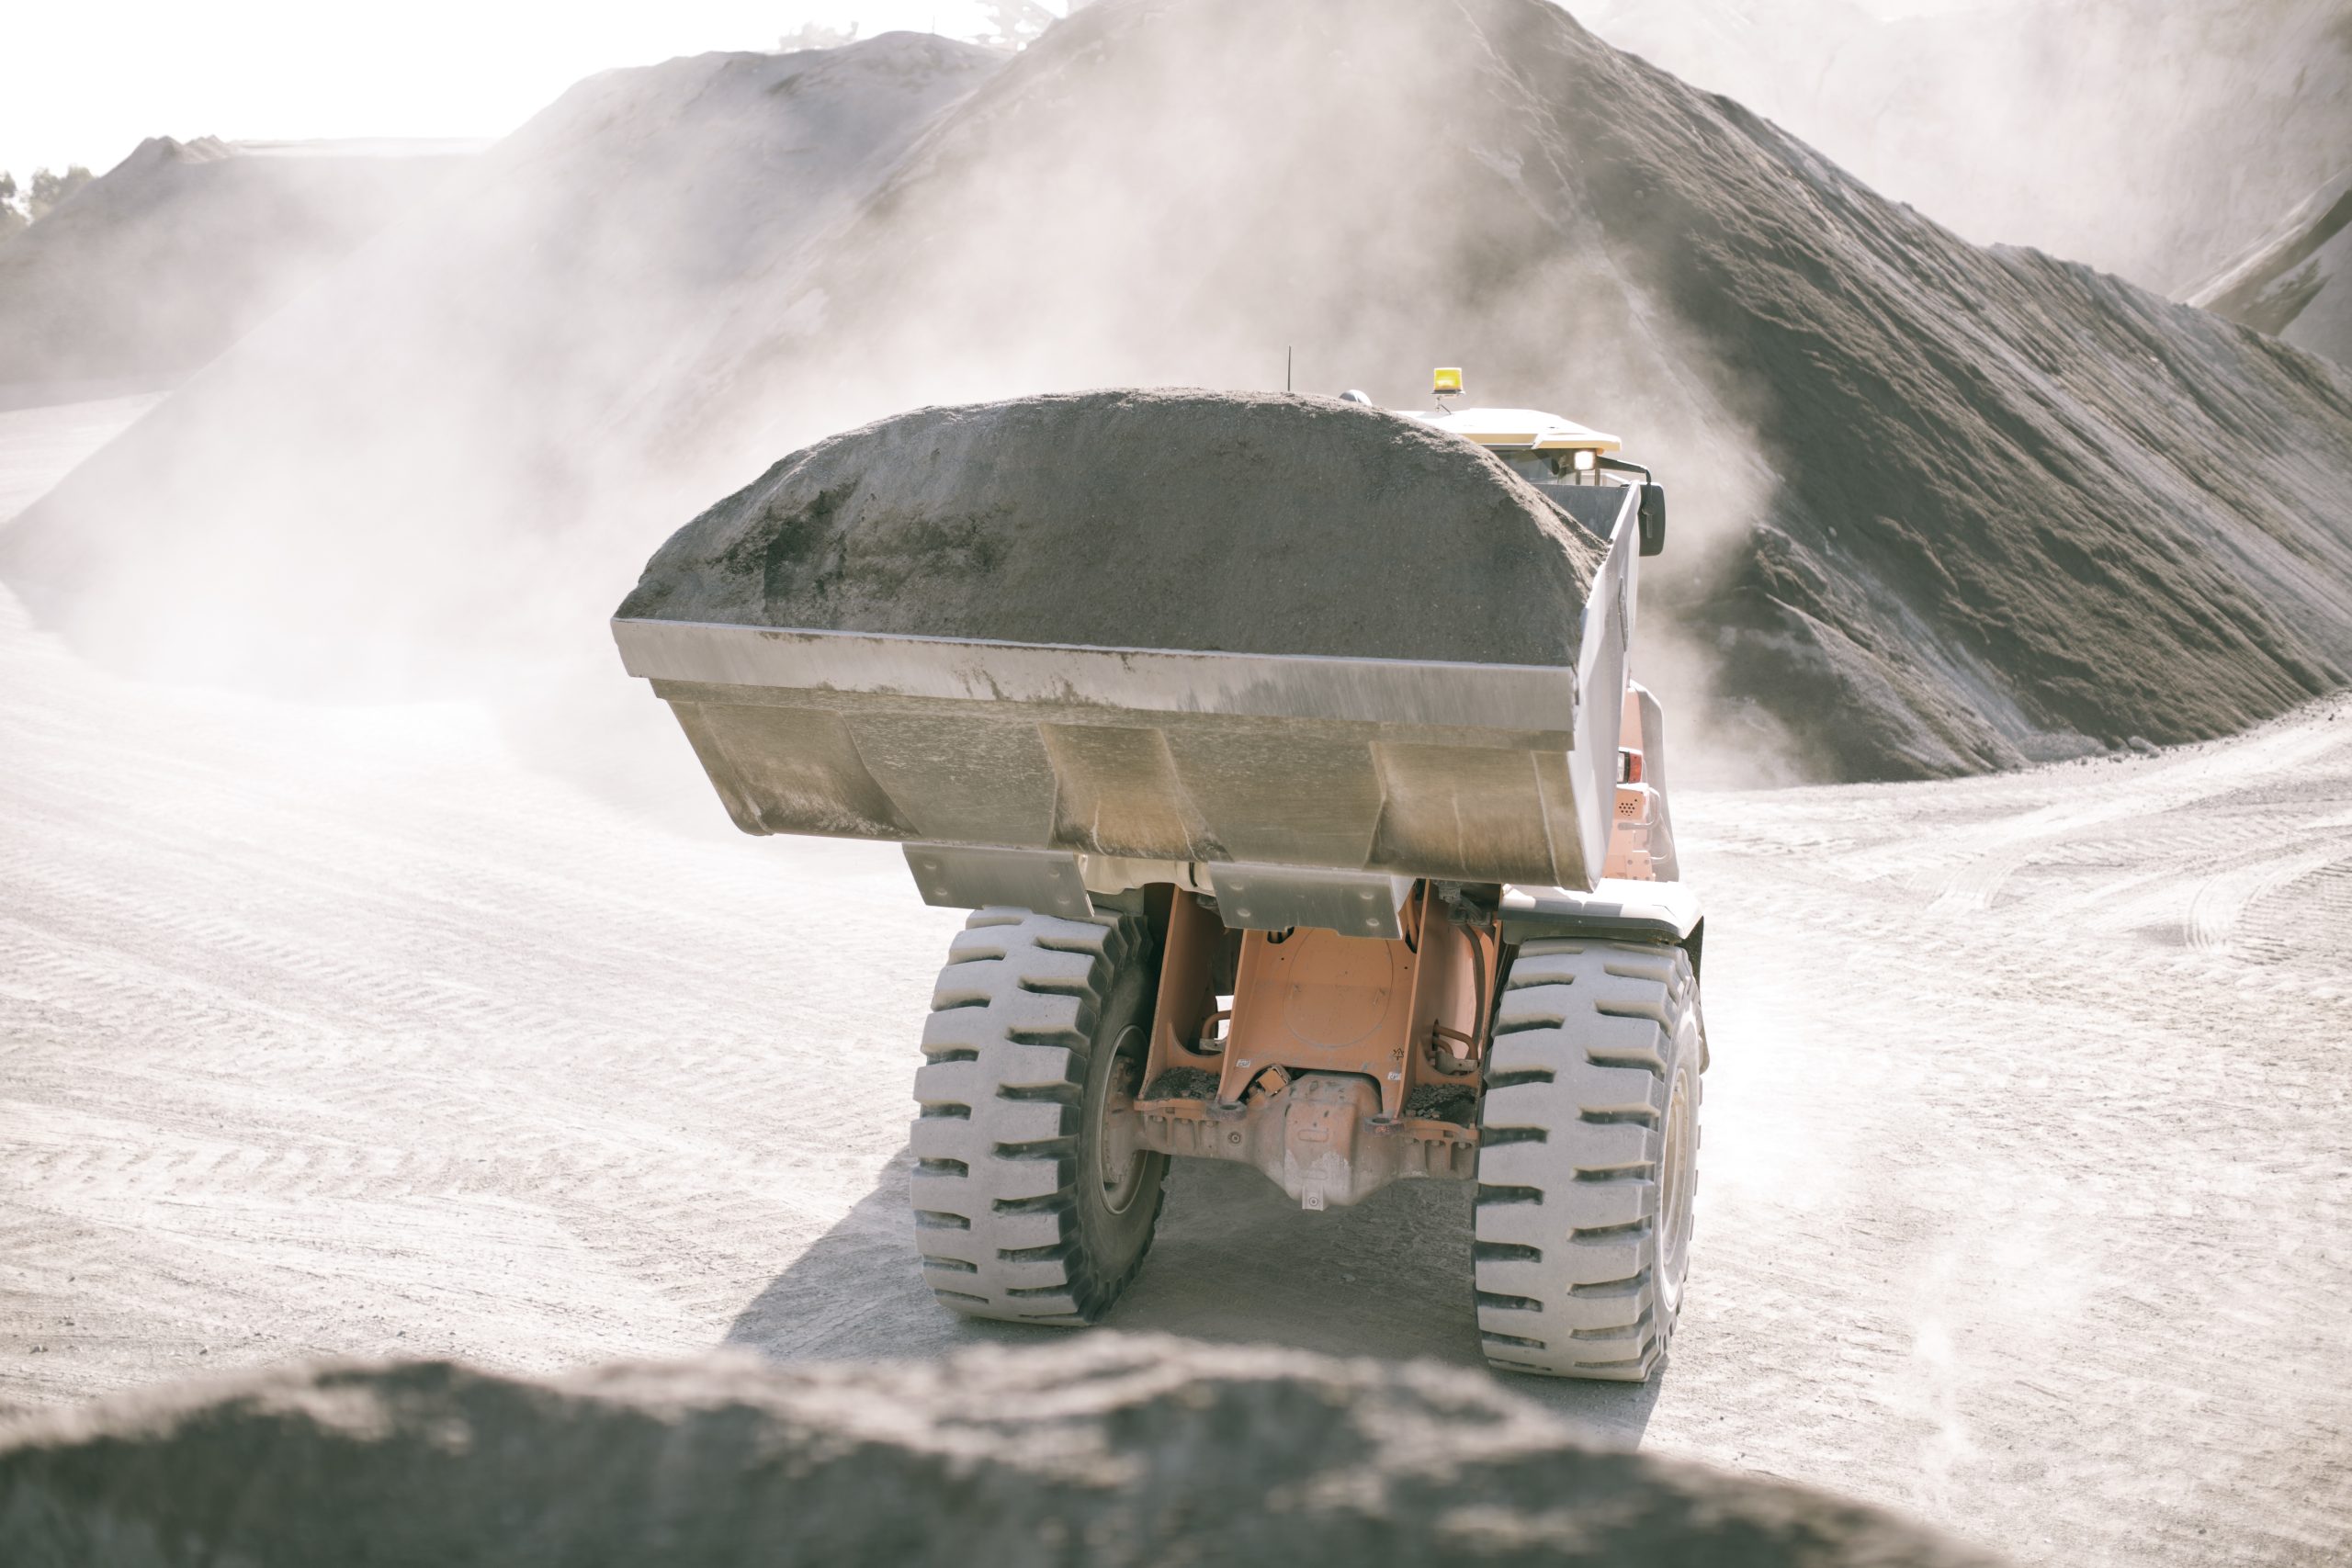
1059	763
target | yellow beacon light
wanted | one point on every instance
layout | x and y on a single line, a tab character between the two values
1449	381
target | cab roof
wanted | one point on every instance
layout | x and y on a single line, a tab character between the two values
1520	429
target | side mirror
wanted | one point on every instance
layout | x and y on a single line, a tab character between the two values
1653	519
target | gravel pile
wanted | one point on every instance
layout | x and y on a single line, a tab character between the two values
183	247
1242	523
1937	508
1104	1451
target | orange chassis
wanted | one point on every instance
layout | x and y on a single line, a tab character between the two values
1329	1037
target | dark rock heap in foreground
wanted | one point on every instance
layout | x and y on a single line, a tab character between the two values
1101	1451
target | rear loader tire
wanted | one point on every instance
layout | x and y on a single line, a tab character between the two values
1031	1203
1588	1137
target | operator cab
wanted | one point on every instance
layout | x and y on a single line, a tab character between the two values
1568	462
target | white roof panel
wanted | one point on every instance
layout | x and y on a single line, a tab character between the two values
1529	428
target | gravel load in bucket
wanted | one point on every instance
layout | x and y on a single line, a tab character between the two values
1229	522
1106	1451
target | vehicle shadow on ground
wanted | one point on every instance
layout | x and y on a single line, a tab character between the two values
1235	1262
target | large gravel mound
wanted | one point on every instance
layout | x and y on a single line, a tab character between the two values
1235	522
1103	1451
433	453
183	247
2189	124
1938	509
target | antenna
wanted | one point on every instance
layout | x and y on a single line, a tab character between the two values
1285	367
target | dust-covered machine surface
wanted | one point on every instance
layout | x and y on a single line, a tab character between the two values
1286	751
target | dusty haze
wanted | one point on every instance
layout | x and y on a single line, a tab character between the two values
2147	137
183	248
1936	509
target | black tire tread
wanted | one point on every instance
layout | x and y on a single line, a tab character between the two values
1008	1043
1572	1139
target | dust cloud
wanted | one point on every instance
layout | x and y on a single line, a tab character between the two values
1871	443
431	478
426	476
182	248
435	474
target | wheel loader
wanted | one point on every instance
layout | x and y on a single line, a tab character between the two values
1346	921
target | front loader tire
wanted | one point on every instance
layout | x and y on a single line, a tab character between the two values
1031	1203
1588	1137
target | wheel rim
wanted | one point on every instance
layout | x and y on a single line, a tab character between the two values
1120	1158
1680	1162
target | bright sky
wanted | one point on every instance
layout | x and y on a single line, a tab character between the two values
84	81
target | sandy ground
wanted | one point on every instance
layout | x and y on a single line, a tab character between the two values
2024	1199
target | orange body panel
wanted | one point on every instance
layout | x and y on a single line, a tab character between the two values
1392	1014
1315	1001
1326	1039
